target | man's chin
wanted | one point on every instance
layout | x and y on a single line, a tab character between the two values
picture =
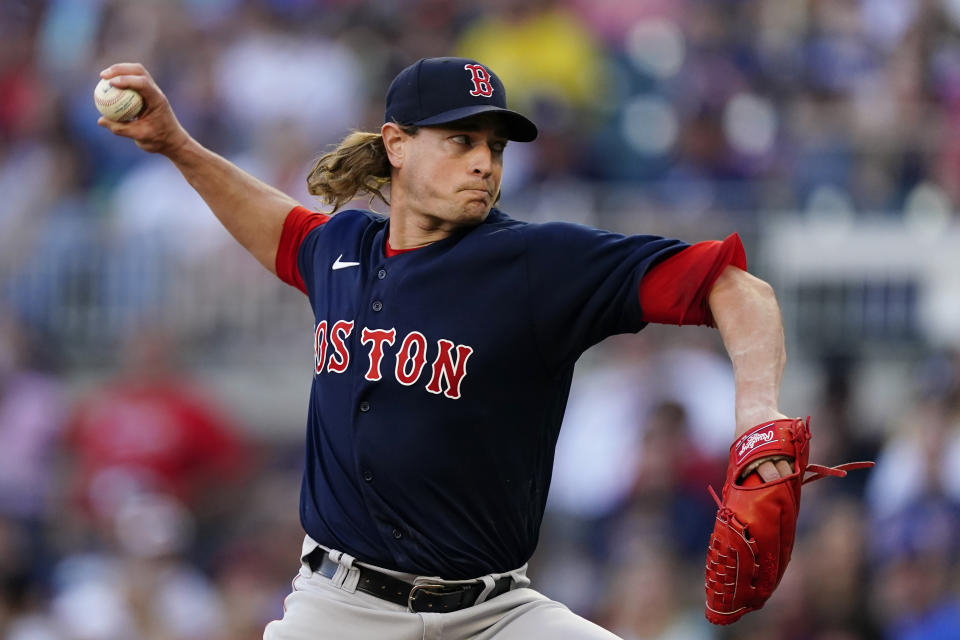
476	210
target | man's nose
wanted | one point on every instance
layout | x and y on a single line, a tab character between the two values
481	160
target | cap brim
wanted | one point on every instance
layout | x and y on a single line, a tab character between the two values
518	127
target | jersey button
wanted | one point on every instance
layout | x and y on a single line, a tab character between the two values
364	406
382	274
368	476
377	305
397	534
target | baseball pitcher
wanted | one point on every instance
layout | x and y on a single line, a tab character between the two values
445	339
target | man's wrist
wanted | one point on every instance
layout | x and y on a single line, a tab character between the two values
749	418
182	151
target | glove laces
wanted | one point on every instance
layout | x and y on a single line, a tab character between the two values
839	471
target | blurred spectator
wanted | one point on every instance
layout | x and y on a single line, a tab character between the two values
629	465
672	478
597	452
914	500
921	458
54	252
831	563
29	176
152	430
139	587
275	73
839	433
915	553
542	53
663	527
649	599
32	413
254	564
613	405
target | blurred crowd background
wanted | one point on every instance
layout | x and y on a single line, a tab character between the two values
154	379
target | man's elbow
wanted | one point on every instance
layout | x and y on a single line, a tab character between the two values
734	285
739	298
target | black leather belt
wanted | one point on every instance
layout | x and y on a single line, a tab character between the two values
437	598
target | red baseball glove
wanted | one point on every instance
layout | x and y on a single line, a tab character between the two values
756	521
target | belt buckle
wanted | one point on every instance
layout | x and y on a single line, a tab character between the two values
426	588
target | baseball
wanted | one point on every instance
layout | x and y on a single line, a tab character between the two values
117	104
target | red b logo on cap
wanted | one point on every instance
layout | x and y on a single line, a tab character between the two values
481	80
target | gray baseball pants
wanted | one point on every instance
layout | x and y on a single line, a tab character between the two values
321	608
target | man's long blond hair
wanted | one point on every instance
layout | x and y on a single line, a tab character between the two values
357	166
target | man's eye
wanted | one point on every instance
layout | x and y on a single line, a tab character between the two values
461	139
498	147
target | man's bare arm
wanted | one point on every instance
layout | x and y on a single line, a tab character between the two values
251	210
747	315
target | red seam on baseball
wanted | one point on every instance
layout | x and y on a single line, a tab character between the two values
109	102
114	100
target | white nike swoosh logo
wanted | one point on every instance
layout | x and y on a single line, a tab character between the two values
337	264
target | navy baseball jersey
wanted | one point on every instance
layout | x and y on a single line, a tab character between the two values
441	376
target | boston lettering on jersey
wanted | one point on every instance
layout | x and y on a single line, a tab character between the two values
447	371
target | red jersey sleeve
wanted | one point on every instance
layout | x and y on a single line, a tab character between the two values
676	291
299	222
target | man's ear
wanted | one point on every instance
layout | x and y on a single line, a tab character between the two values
394	140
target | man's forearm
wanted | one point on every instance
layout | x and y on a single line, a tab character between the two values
251	210
747	315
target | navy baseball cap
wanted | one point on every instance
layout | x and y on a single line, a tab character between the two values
435	91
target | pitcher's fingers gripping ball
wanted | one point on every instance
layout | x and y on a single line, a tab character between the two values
756	521
119	105
147	117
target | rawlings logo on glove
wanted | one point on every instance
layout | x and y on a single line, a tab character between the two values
755	439
756	522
